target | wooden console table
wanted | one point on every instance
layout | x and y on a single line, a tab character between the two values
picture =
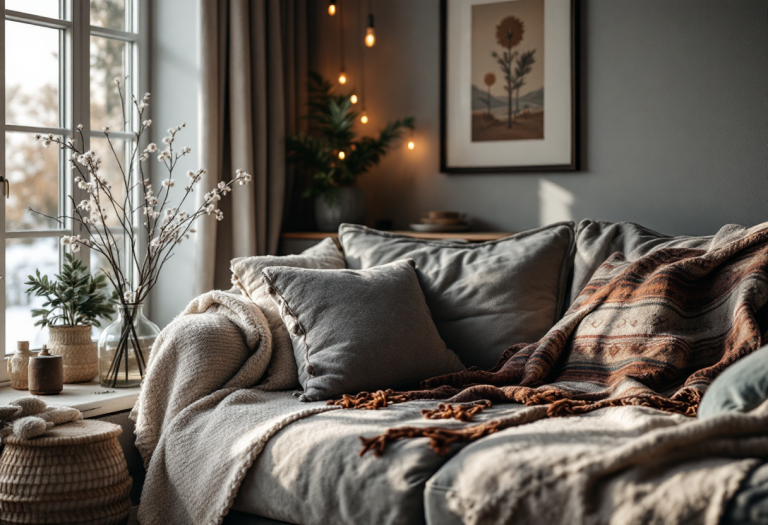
465	236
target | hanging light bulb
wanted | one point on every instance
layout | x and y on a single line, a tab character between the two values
411	145
342	155
364	118
332	7
370	35
353	98
342	77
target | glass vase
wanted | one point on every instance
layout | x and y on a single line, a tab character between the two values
124	347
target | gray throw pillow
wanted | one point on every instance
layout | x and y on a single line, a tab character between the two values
246	275
484	297
740	388
354	331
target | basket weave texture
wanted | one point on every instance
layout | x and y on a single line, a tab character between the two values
74	345
75	473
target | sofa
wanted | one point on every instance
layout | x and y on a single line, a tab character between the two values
483	299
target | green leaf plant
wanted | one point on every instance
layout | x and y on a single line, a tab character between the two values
331	119
73	298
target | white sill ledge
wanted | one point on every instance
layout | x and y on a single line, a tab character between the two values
90	398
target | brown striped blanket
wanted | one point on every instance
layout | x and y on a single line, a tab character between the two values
653	332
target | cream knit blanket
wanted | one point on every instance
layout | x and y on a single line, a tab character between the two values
623	465
198	425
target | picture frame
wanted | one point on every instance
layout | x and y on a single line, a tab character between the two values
508	86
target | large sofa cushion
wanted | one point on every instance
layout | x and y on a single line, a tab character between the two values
598	240
356	330
246	275
311	472
484	297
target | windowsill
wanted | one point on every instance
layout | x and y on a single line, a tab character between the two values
90	398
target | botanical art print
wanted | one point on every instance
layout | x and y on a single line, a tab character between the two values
508	86
508	70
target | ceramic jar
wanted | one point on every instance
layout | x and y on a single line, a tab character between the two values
18	366
46	374
74	345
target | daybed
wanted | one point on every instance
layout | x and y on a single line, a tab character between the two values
234	415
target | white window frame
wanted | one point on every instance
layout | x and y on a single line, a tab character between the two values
74	100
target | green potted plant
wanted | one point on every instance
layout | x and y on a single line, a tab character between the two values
74	302
333	155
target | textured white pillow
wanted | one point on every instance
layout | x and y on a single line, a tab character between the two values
282	373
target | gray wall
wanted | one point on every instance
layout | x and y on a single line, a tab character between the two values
674	128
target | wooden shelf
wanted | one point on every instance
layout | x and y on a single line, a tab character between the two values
90	398
466	236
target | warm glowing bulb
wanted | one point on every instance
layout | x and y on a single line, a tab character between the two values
364	118
370	37
343	78
353	98
342	155
411	145
332	8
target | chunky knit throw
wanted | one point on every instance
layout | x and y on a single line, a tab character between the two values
201	419
654	332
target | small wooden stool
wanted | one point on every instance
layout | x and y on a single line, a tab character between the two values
75	473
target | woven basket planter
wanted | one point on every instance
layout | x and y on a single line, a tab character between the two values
74	345
76	473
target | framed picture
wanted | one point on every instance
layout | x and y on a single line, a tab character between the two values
508	86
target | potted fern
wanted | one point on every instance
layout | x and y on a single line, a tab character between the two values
74	302
334	156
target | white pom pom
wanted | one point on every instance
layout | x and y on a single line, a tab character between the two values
30	427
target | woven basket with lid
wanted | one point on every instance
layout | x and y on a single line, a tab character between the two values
75	473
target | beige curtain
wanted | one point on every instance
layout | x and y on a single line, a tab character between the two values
253	67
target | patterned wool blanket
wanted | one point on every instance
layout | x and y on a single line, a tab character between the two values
653	332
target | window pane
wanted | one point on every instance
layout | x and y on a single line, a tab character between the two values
32	75
22	258
33	172
109	13
107	63
112	171
98	261
49	8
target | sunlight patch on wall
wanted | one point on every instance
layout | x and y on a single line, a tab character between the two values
555	203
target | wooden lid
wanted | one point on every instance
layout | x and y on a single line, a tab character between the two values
75	433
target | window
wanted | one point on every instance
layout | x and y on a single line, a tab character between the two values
56	72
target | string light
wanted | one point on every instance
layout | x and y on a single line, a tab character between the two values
342	155
353	99
364	118
370	35
342	74
332	7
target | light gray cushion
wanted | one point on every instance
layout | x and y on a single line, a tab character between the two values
484	297
598	240
246	275
359	330
740	388
311	472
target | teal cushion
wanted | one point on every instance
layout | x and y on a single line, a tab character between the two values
742	387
